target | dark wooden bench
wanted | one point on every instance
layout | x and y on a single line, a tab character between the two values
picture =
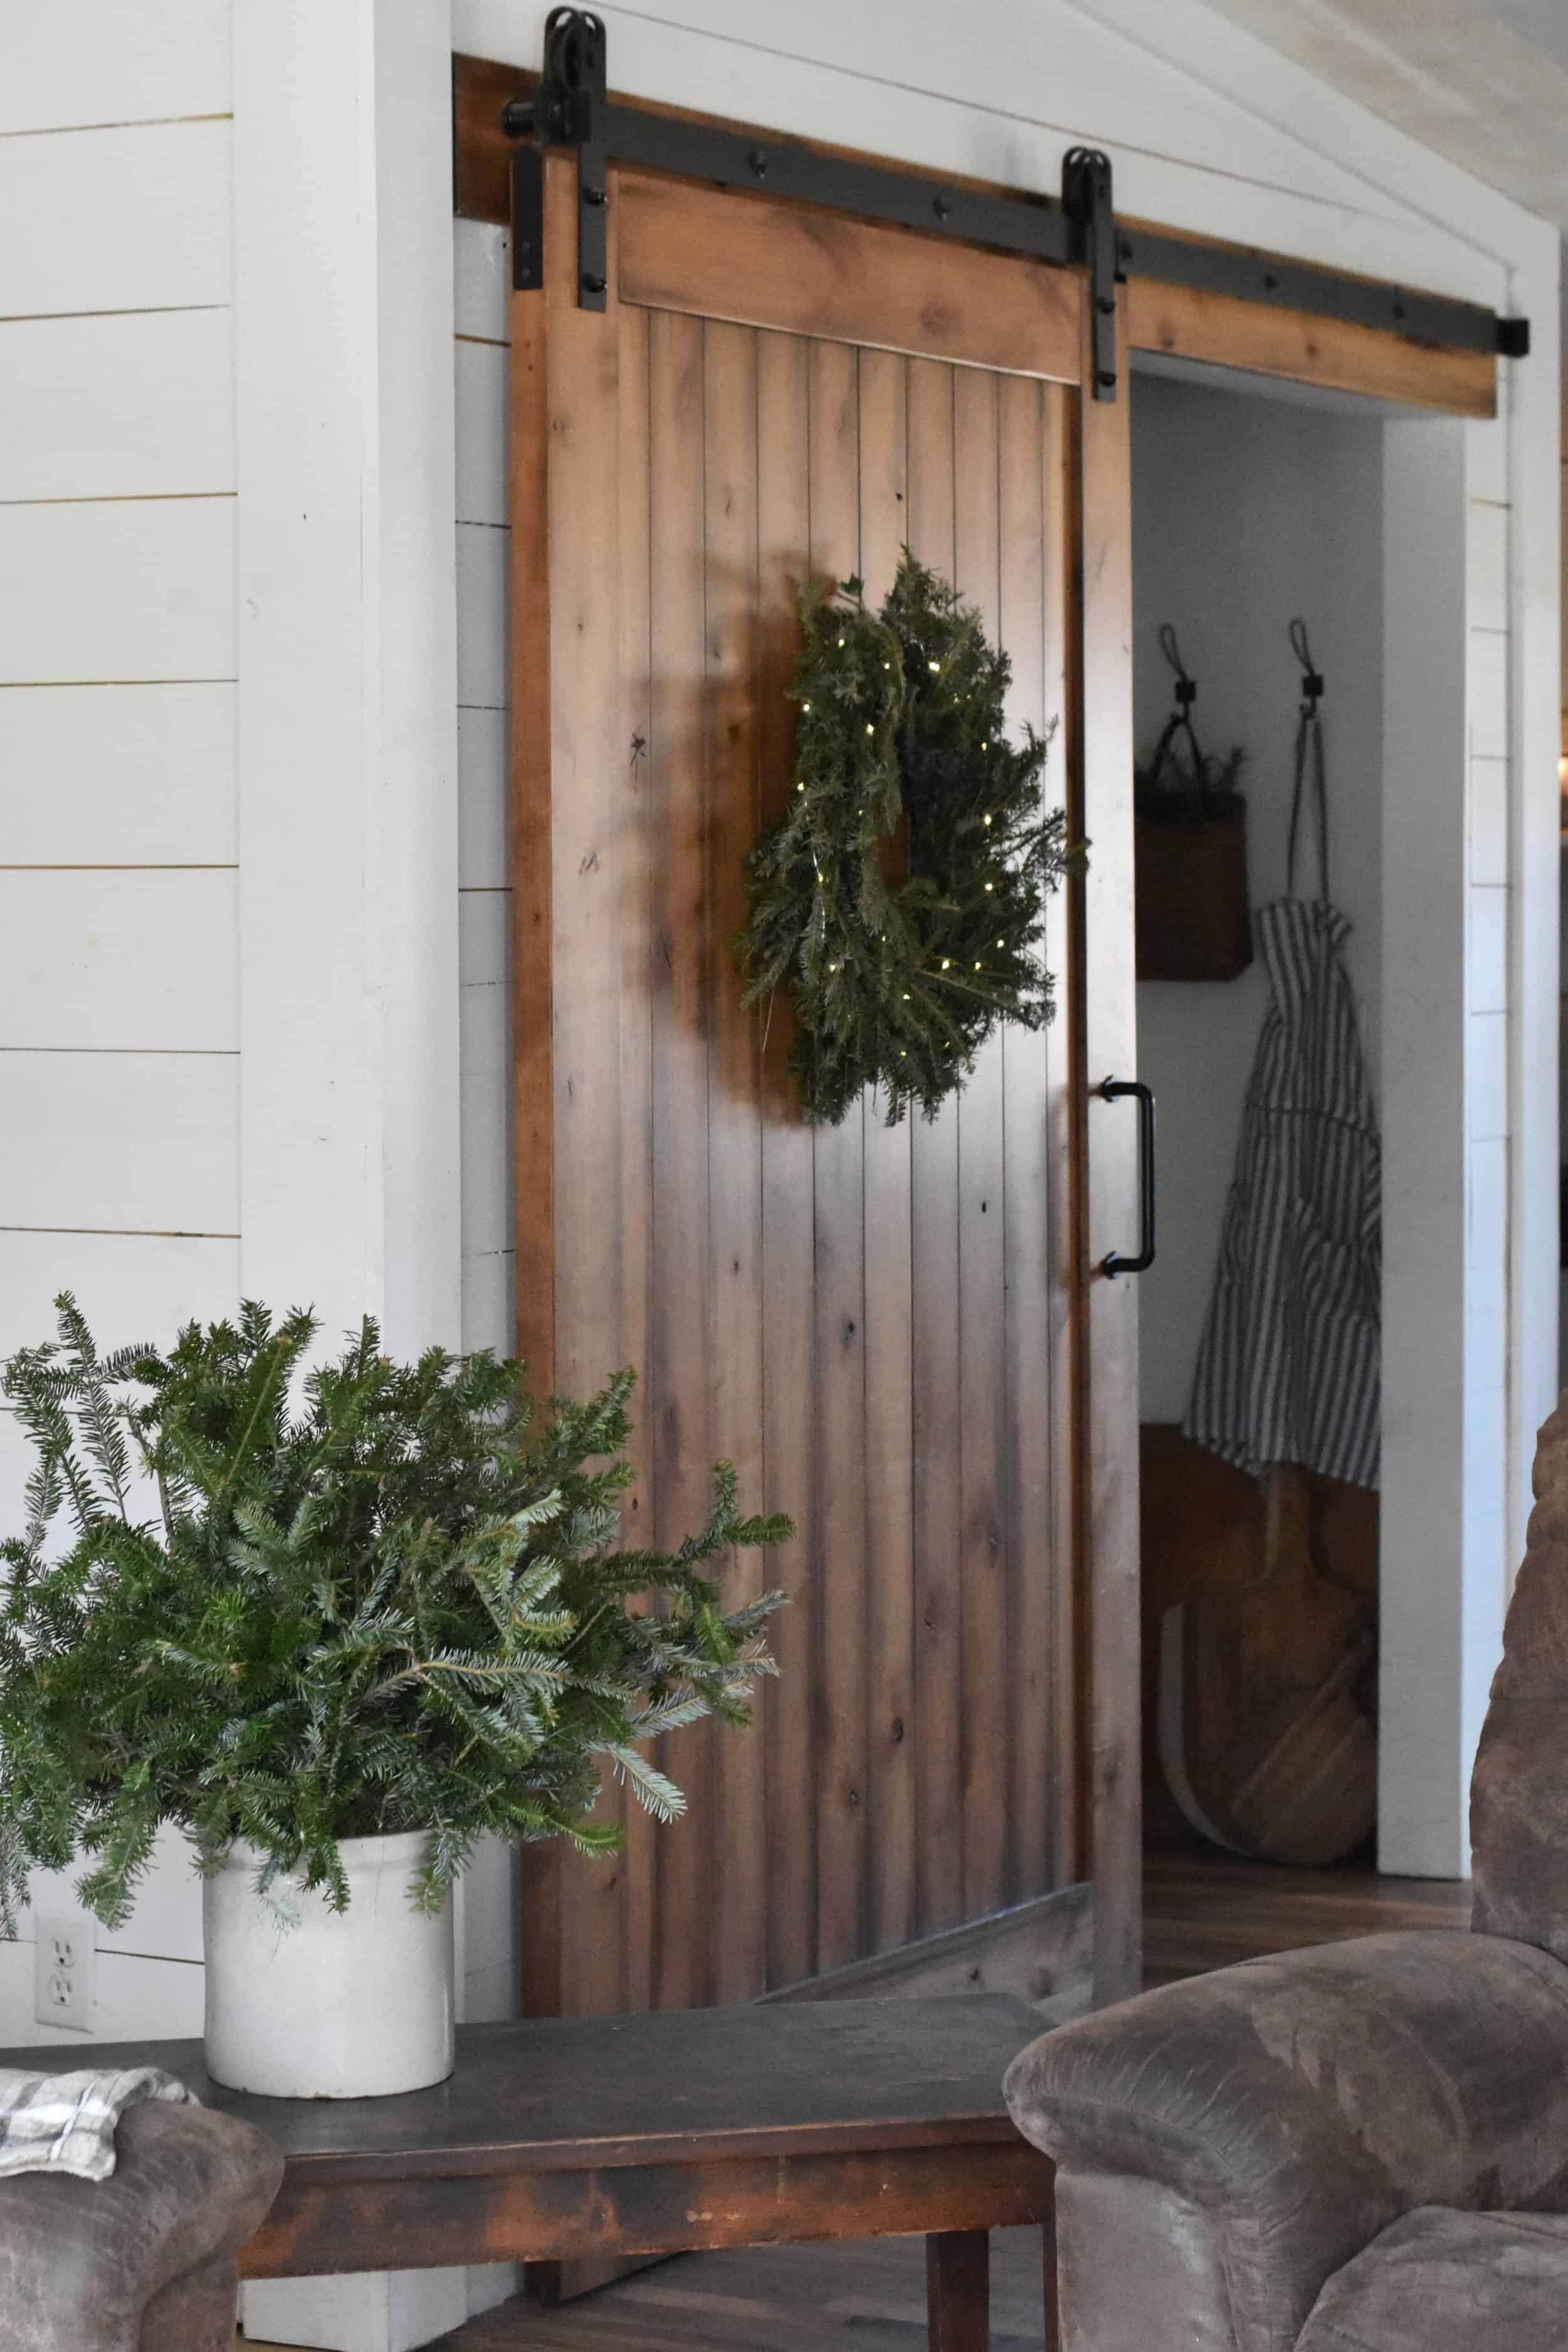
607	2137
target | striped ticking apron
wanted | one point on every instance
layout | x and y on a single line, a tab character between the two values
1288	1365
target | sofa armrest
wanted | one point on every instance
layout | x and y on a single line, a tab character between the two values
1274	2116
82	2260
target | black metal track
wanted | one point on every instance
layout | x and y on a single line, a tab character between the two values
570	107
782	167
1038	226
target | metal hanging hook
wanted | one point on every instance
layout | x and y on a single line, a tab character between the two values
1186	686
1312	676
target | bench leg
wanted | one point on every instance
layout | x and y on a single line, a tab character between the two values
958	2290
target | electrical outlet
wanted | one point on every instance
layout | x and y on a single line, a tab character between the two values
63	1953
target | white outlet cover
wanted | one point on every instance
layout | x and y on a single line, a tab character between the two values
63	1953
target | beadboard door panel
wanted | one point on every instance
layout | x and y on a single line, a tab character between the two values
888	1331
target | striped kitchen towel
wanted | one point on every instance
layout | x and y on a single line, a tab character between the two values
65	2123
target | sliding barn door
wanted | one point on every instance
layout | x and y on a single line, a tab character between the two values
894	1335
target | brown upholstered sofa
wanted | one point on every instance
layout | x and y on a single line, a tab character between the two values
144	2262
1363	2148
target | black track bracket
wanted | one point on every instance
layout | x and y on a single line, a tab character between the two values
1087	203
567	109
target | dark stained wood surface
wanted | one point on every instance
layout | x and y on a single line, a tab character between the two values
563	2094
873	1325
1202	1910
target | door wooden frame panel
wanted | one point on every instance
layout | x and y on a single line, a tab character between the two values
1259	337
564	388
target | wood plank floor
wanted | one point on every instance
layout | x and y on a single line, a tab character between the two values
1202	1911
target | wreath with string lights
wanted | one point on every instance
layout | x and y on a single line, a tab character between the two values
898	898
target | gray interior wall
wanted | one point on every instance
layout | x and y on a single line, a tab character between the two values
1249	508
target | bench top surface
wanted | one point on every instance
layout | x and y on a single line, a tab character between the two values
570	2094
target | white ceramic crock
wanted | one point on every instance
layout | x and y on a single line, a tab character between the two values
345	2005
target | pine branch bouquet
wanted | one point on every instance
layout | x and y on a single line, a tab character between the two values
396	1603
898	895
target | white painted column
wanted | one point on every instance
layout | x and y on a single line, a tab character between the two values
1422	1765
349	1172
1536	623
349	1117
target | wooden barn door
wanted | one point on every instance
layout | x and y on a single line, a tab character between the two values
894	1334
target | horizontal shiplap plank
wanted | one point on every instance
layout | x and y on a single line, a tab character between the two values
131	1286
489	1314
166	1920
120	960
484	556
484	794
119	219
119	1142
1486	449
125	590
481	432
118	775
1487	659
137	1999
135	405
1486	963
137	65
1486	1076
1486	551
484	938
482	273
1488	821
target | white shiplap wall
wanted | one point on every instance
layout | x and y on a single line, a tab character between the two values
119	951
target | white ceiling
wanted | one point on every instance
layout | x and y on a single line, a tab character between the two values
1484	82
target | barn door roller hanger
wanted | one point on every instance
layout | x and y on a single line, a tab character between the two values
570	107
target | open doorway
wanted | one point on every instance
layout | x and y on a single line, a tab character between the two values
1256	504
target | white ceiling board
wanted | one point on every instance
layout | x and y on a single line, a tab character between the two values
1483	82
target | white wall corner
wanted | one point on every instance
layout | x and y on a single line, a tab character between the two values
1534	692
349	1121
1422	1766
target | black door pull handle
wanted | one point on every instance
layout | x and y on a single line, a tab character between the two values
1113	1090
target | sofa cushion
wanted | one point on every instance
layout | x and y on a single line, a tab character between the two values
1445	2282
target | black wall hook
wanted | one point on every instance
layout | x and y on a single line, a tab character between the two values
1311	676
1186	686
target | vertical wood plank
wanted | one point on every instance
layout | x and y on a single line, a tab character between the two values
734	1133
532	317
890	1395
678	1313
788	1212
640	1862
935	1317
984	1556
536	316
1109	1401
838	1157
586	887
1029	570
1064	1230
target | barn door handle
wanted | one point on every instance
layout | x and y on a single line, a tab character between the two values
1112	1090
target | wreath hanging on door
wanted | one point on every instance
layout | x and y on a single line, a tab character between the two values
897	897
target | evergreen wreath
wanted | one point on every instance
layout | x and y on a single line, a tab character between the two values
897	897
